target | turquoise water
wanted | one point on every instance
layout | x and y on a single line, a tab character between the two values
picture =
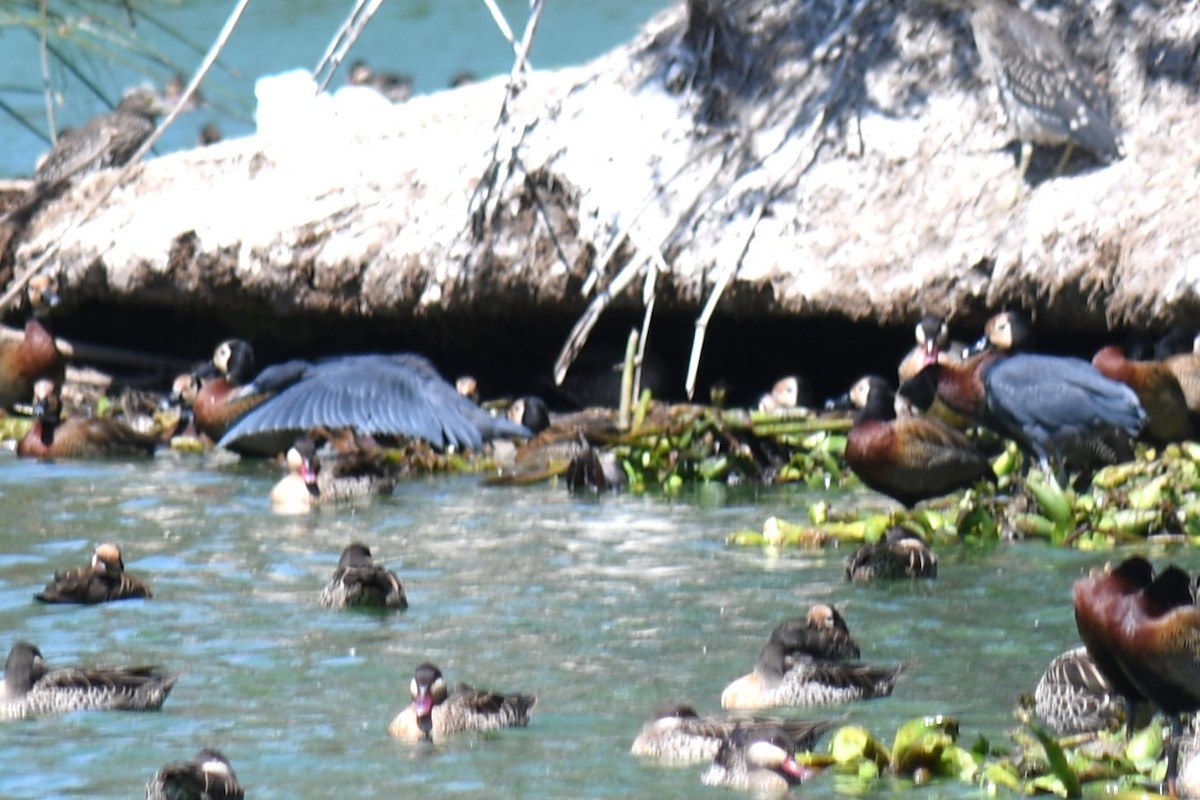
605	609
430	40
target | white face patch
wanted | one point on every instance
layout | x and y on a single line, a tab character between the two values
765	754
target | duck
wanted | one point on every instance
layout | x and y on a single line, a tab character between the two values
1100	600
437	712
1184	363
106	140
1059	410
1073	697
677	735
1154	635
223	396
399	395
32	689
35	355
209	776
103	580
1168	418
358	582
807	663
933	344
784	395
910	459
821	633
760	760
53	437
899	553
360	470
394	86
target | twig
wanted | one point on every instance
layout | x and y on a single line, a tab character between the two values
502	23
18	284
344	39
103	354
47	89
482	208
728	272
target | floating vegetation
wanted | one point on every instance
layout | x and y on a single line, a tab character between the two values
927	750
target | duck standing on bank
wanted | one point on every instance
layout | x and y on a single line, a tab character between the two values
54	437
910	459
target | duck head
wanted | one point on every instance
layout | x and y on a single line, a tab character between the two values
428	688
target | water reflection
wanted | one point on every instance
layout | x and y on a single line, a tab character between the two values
604	609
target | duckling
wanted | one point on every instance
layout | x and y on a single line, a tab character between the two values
784	395
899	554
103	580
806	663
51	436
359	472
436	713
360	582
209	776
761	760
677	735
31	689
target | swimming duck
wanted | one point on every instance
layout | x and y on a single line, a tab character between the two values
760	760
360	582
900	553
313	479
678	735
398	395
209	776
1073	696
910	459
31	689
436	712
821	634
806	663
36	354
395	86
103	580
51	436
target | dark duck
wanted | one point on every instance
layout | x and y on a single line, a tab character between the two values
54	437
1150	636
808	661
35	355
103	580
358	582
209	776
909	459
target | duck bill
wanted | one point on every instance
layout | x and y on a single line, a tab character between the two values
422	707
795	769
932	351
